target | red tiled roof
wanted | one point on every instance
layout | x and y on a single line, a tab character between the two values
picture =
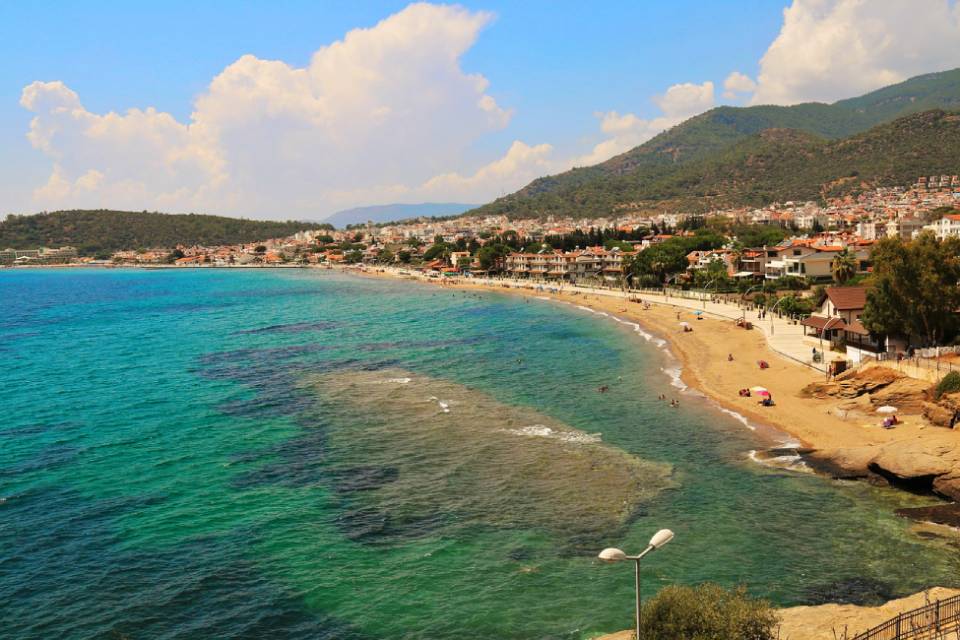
847	298
819	322
857	327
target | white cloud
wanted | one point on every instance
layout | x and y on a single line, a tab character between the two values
628	130
387	105
521	164
99	158
685	100
736	83
833	49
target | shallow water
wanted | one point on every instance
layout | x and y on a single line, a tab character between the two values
302	454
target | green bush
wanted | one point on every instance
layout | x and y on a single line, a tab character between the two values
707	612
949	384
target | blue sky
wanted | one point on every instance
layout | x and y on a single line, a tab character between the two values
552	68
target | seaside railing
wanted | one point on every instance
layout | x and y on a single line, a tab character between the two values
931	621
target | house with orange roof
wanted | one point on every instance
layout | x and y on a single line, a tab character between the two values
837	322
804	259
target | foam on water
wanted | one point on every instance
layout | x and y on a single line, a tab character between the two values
674	374
543	431
788	462
738	417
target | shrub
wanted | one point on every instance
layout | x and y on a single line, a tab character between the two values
949	384
707	612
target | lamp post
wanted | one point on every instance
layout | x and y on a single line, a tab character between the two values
659	539
824	329
775	305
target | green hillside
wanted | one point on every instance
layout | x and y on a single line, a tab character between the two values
97	231
773	165
711	134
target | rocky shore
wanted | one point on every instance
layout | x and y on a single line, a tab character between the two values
924	462
837	621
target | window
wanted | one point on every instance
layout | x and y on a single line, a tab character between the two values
797	252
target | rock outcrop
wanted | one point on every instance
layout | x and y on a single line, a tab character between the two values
852	384
924	465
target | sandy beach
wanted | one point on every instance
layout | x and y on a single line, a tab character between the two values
837	436
704	355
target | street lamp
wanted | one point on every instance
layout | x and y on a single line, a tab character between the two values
659	539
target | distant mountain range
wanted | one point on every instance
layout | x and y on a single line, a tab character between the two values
394	212
97	231
732	156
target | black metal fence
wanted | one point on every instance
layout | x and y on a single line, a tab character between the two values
929	621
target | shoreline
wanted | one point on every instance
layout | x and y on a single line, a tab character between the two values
832	439
695	373
835	436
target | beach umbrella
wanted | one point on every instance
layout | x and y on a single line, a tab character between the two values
698	313
763	393
684	324
886	409
759	389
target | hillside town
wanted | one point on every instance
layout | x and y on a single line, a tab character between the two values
817	232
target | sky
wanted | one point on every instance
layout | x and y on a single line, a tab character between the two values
295	109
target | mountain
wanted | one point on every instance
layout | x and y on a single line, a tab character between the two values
785	164
394	212
104	231
590	191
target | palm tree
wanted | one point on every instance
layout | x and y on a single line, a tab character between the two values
844	266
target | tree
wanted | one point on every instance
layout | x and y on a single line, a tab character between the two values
386	256
352	257
844	266
173	256
613	243
915	290
707	612
404	256
490	255
438	250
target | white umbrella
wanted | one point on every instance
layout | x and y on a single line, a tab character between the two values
758	389
684	324
886	409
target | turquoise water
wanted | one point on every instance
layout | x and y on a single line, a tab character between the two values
303	454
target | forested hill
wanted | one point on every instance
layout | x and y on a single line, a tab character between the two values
783	164
101	230
710	134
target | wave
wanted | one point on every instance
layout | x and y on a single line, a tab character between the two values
674	374
738	417
543	431
649	337
392	381
787	462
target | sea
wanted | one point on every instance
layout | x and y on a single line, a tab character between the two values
302	453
